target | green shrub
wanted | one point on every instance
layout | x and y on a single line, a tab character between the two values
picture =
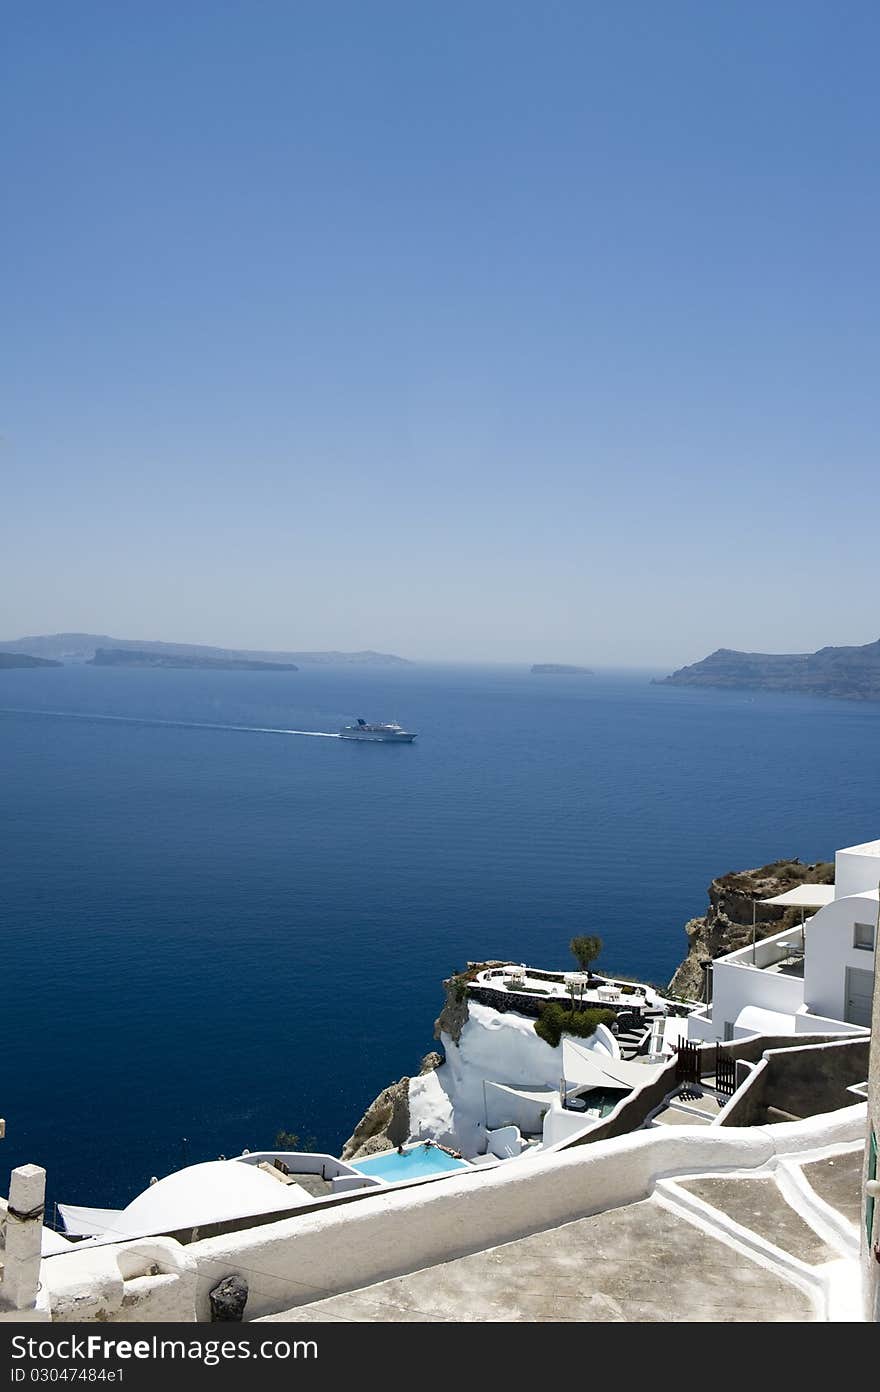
555	1020
291	1140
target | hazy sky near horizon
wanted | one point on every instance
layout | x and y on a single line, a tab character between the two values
464	330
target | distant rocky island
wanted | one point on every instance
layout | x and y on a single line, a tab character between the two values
851	674
18	659
82	647
559	669
131	657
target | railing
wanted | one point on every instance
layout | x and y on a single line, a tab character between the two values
767	951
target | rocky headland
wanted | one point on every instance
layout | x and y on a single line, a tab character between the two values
9	660
82	647
437	1103
131	657
851	674
728	923
386	1122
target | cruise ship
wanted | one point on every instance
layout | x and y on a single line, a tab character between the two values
392	733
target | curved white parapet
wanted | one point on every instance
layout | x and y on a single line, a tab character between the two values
303	1258
146	1280
298	1261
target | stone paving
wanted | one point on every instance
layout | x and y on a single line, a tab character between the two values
677	1116
640	1263
757	1204
643	1262
838	1181
696	1107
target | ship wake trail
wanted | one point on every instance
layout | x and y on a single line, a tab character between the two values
170	724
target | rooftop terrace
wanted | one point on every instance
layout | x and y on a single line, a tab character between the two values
776	1245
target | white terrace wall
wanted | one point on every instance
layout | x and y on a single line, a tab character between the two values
830	950
737	985
146	1280
805	1023
394	1234
857	869
302	1259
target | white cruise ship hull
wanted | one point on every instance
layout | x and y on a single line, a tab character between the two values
377	737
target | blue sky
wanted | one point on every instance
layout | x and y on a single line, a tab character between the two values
463	330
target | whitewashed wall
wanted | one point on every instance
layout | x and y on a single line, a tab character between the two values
830	951
857	869
735	987
305	1258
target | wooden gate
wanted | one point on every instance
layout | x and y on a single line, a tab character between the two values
725	1072
687	1062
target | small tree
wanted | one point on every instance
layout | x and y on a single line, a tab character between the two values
585	950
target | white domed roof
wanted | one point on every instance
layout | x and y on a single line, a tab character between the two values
207	1193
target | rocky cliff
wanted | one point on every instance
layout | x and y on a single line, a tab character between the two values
385	1123
851	674
454	1013
728	923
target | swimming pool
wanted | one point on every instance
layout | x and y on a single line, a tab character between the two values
416	1163
603	1100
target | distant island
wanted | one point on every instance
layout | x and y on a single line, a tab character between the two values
559	669
18	659
82	647
850	674
130	657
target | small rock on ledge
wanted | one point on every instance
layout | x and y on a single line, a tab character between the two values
228	1299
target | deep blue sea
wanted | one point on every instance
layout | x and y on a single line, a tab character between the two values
211	934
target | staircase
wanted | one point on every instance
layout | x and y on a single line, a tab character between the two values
634	1041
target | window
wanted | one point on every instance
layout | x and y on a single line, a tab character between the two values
863	936
728	1030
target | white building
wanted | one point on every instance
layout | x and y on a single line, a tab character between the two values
812	979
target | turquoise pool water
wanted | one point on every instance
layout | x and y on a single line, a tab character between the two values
412	1164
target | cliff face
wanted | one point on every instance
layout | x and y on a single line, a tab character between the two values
385	1123
728	924
387	1120
452	1017
847	673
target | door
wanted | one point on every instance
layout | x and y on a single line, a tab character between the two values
859	990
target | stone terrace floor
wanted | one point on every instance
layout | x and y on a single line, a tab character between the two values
647	1262
634	1263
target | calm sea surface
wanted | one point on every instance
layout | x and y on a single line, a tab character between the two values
211	934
